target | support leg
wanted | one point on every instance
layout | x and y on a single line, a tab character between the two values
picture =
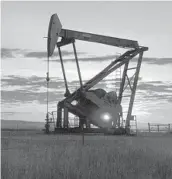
77	64
67	93
87	124
123	82
133	92
81	123
66	120
47	126
119	121
59	116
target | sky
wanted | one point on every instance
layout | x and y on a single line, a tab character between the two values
23	54
24	24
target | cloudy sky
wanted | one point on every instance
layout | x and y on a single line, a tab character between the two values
23	65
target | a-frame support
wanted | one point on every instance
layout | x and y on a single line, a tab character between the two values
132	87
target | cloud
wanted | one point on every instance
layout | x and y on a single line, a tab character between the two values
152	86
29	89
86	59
170	99
102	58
9	53
20	89
161	61
14	53
23	96
31	83
44	54
34	82
155	92
156	61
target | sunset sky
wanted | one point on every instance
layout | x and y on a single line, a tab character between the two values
23	65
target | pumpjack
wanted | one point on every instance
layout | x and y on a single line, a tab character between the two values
93	106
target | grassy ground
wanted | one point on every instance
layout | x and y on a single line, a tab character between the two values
33	155
14	125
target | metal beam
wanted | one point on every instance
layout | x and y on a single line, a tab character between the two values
59	116
134	90
77	64
106	73
132	68
76	110
118	42
129	82
64	42
122	57
131	78
123	82
66	115
67	93
112	67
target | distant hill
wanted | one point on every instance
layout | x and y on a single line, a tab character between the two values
29	125
14	124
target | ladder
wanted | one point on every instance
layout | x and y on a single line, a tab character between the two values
133	125
51	119
117	79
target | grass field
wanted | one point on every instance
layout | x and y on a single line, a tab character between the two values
33	155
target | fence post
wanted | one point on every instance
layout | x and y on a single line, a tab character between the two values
158	127
82	134
149	127
168	127
136	125
17	127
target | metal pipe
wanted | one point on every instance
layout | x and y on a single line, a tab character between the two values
65	122
123	82
59	116
64	75
77	64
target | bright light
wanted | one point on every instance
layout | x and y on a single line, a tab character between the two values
106	117
74	102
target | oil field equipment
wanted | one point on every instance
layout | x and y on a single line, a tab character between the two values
93	106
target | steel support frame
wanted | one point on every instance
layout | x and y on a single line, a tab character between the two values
67	93
66	118
77	64
59	116
133	87
133	91
60	105
125	76
122	60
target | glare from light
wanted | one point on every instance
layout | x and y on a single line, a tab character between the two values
74	102
106	117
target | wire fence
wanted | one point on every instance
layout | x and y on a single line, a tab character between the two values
159	127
